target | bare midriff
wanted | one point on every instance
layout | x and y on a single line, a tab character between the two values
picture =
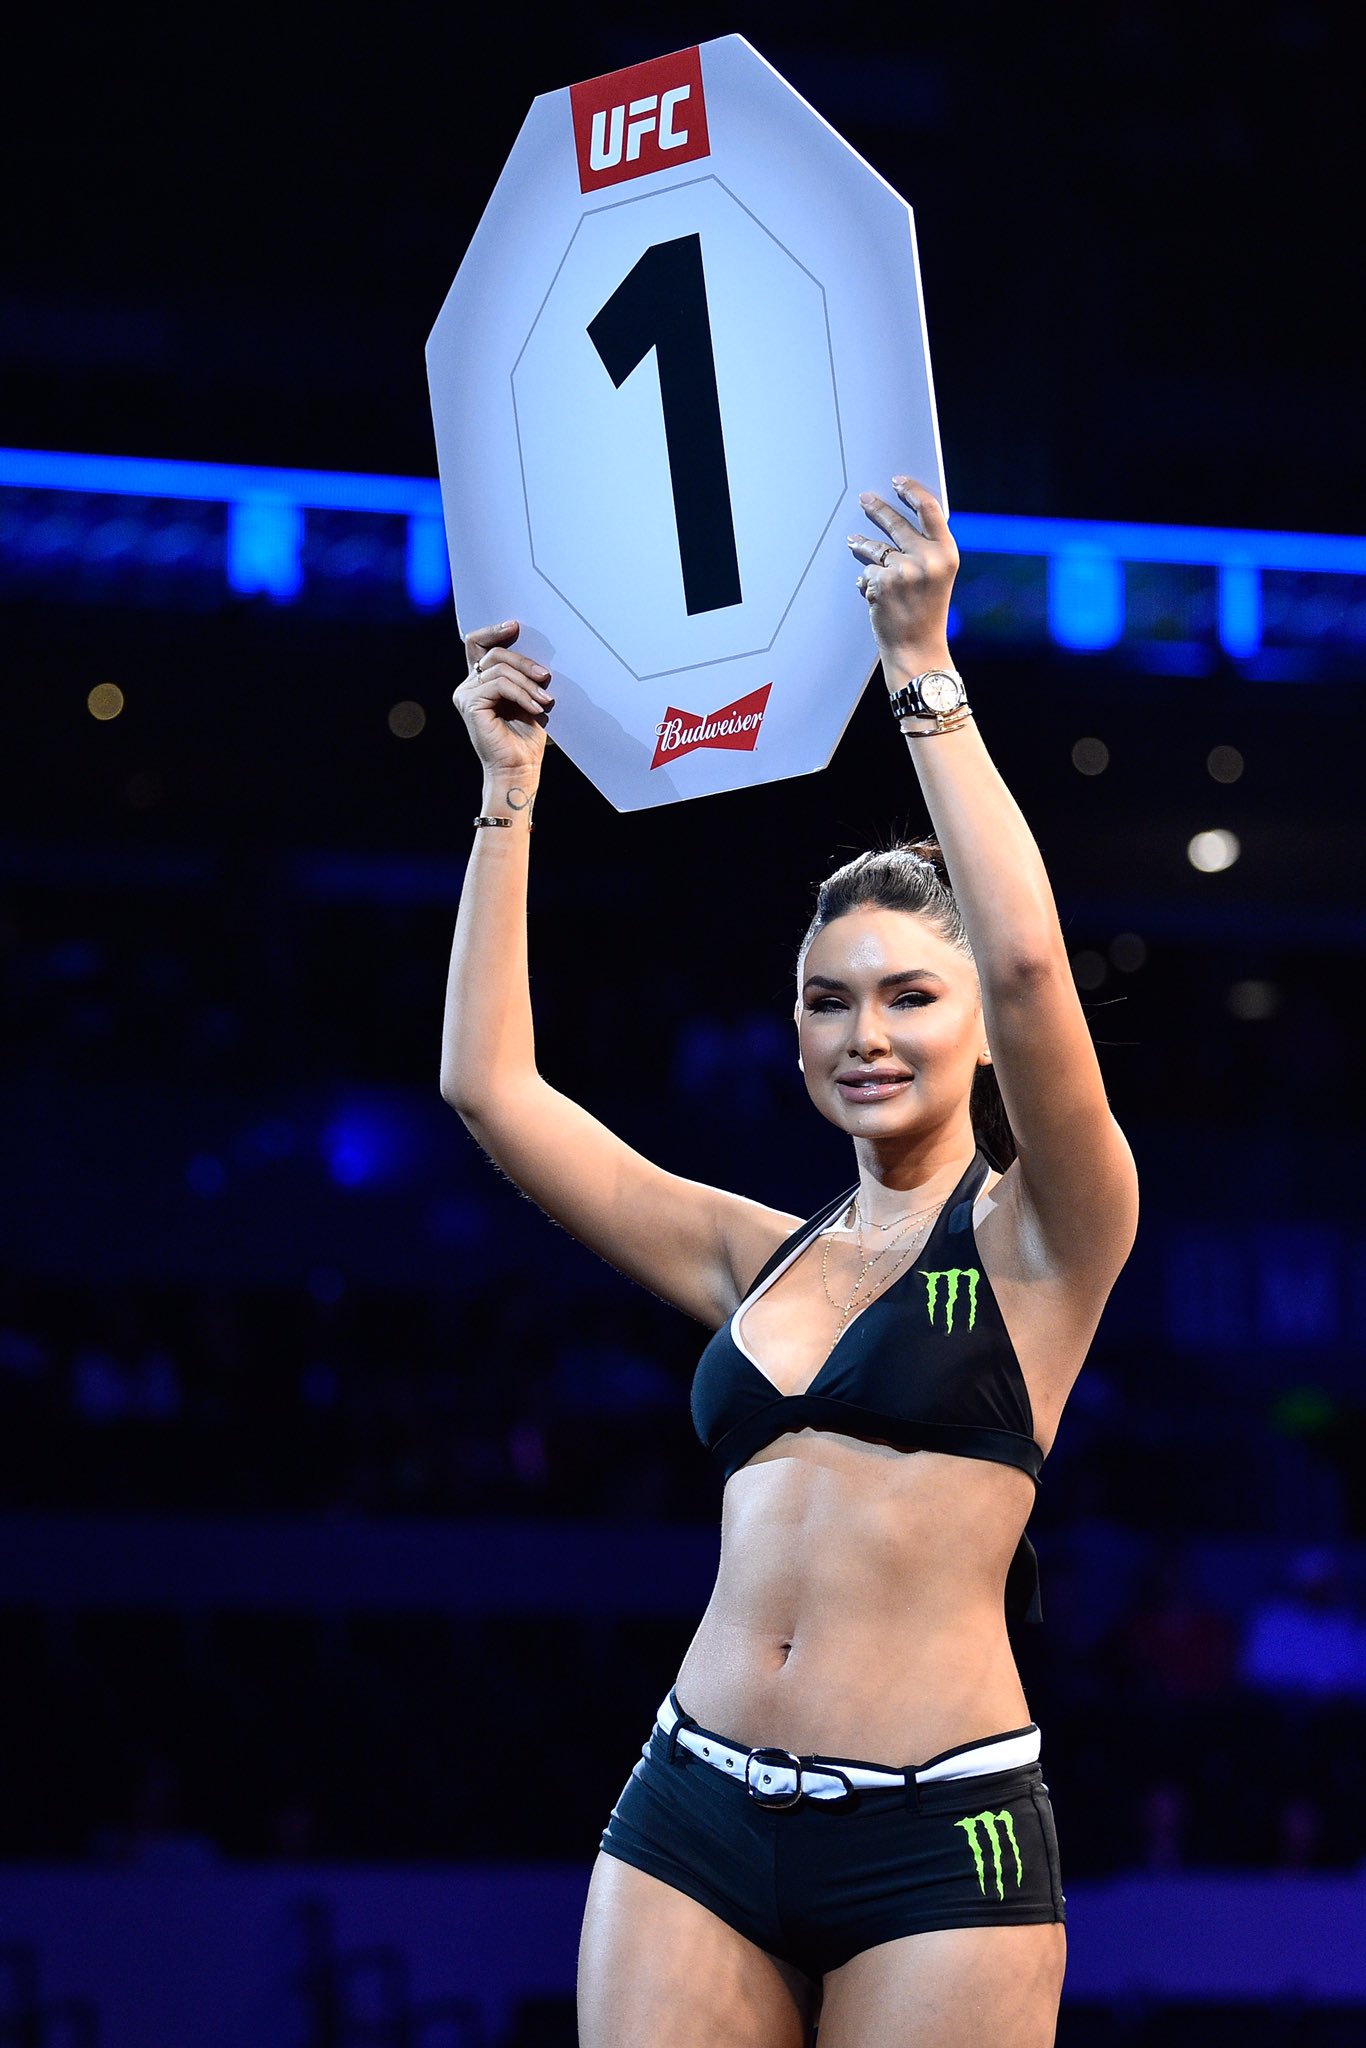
858	1608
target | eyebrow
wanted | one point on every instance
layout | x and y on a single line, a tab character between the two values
884	981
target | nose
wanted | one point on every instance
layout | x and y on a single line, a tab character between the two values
868	1034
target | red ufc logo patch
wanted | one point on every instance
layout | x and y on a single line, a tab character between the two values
643	119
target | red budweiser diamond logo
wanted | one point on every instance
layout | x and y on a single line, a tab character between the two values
640	120
735	726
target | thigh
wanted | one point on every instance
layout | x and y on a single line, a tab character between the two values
656	1966
955	1988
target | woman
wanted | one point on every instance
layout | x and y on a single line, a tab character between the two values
774	1858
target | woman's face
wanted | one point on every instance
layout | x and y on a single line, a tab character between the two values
889	1021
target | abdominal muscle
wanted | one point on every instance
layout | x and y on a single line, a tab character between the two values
858	1608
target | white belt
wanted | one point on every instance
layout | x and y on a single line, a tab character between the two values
775	1777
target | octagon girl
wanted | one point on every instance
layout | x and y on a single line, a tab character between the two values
839	1814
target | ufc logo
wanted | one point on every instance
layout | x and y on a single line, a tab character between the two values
647	115
643	119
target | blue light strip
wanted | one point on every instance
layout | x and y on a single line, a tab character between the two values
428	567
1006	533
1085	597
1085	558
265	548
221	483
1240	608
265	527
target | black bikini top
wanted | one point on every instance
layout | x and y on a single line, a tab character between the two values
927	1366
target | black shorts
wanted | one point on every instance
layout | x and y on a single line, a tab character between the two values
817	1882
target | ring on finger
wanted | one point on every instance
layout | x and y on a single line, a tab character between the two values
883	554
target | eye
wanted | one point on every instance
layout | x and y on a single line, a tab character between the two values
818	1004
917	996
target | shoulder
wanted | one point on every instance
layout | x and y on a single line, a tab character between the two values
754	1236
1051	1307
1018	1233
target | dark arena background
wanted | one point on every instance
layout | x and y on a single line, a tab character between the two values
328	1467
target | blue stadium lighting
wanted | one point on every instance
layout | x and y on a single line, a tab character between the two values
353	1152
364	1144
265	506
265	543
1009	533
1240	608
267	512
221	483
1085	597
1177	658
428	564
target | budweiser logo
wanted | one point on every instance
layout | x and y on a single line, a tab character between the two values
735	726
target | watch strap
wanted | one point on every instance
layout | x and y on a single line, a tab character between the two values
908	701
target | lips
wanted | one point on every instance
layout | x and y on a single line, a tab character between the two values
875	1087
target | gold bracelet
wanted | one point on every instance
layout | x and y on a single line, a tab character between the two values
493	821
944	722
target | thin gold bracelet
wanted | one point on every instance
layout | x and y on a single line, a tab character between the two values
929	732
492	821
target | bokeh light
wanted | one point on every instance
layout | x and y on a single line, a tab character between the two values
1128	952
1251	1001
1213	851
1090	756
105	701
1225	764
1088	968
406	719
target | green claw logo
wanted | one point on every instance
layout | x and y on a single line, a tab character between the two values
990	1823
953	1275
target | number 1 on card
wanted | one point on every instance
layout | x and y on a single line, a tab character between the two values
661	304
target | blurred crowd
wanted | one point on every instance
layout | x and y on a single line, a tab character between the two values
230	975
490	1396
1178	1735
1202	1665
1183	1646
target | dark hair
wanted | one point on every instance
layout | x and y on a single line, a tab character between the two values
913	877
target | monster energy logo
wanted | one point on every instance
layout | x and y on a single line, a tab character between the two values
991	1823
953	1276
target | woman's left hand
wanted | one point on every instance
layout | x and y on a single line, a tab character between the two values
907	579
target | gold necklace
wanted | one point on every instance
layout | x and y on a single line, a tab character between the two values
914	1214
844	1309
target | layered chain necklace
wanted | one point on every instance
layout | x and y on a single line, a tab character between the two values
898	1249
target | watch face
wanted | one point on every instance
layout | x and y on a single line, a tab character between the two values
940	692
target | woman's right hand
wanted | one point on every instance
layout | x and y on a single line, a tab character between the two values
504	702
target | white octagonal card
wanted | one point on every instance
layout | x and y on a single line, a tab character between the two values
687	332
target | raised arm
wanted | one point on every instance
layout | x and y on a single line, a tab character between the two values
696	1246
1076	1171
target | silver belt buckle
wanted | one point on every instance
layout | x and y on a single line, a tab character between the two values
773	1756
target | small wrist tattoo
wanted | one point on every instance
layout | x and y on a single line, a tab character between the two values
519	800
